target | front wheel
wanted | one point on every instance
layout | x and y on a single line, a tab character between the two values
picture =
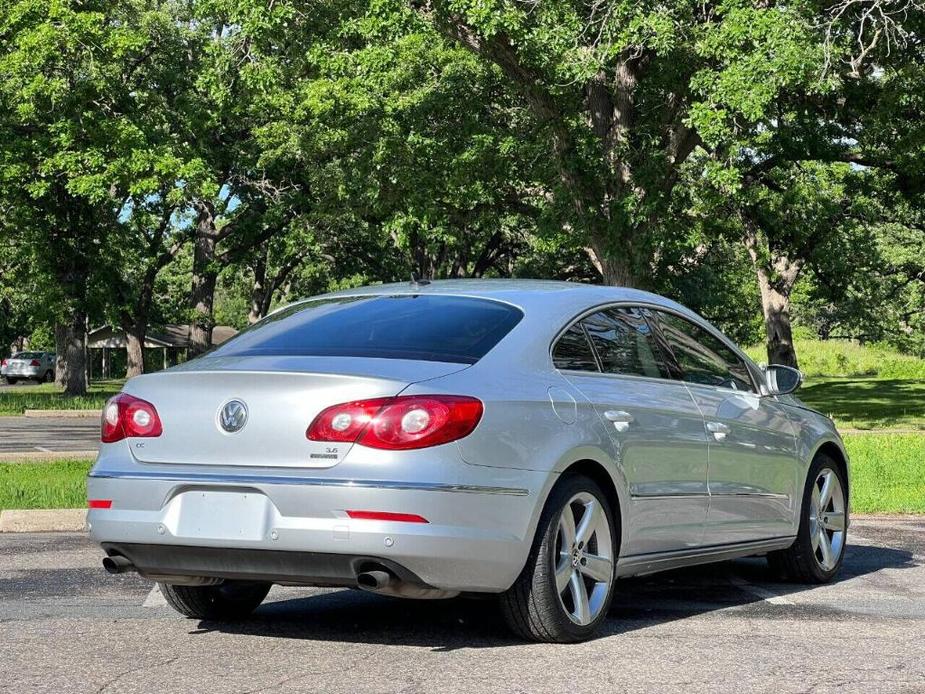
229	601
565	589
818	552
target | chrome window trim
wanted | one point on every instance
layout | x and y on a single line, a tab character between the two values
251	479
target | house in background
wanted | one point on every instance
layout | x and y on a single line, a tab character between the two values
165	346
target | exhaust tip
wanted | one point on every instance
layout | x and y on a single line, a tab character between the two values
374	580
117	564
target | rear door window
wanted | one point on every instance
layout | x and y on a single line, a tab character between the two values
406	326
701	357
573	351
625	344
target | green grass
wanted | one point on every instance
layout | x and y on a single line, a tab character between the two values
888	476
59	484
887	472
868	403
48	396
842	358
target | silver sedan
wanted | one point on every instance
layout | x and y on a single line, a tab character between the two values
534	440
36	366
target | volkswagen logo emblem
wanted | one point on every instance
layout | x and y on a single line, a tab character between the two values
233	416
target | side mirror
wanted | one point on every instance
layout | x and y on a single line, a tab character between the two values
782	379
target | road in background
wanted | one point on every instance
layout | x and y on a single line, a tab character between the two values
66	626
49	434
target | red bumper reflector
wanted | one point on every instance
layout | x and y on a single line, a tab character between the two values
386	516
99	503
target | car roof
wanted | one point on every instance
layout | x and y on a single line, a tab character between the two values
553	297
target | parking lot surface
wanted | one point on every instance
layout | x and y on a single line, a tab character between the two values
66	626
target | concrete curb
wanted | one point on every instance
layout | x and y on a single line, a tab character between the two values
68	414
44	456
43	520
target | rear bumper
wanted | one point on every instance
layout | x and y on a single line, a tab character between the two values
311	568
22	372
476	539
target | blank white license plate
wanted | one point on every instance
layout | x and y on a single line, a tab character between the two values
220	515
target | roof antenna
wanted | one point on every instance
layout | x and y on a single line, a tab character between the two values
415	282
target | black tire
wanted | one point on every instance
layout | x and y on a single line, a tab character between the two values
11	381
48	377
532	607
799	563
229	601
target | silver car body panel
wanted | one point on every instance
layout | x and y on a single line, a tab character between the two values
683	496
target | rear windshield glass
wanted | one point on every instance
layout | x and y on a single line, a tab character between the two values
429	328
28	355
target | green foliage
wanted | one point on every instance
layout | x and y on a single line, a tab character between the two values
58	484
841	358
338	143
887	472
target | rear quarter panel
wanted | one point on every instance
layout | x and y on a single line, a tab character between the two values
534	422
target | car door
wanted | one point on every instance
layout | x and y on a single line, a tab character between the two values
753	473
657	430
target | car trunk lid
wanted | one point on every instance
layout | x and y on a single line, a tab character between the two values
282	395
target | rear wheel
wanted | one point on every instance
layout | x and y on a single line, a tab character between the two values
565	589
817	554
11	381
230	600
49	377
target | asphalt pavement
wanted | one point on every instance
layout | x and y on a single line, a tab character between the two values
66	626
49	434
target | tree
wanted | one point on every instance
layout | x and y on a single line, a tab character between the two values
625	92
80	140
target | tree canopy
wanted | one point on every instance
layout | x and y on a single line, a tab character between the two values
199	161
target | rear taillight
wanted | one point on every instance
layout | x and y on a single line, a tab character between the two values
399	423
35	362
125	416
4	362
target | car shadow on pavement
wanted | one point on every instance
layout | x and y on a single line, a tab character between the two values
446	625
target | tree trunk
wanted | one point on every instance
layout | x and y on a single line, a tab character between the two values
60	348
135	334
776	277
202	293
75	355
615	270
775	306
259	290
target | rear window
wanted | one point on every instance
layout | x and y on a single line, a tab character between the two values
428	328
28	355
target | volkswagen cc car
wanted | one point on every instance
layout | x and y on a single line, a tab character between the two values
533	440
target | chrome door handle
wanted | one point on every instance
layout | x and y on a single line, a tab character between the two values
620	418
718	429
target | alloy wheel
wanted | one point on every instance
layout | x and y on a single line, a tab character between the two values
583	558
827	519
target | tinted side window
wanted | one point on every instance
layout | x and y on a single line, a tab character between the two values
625	344
701	357
573	351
